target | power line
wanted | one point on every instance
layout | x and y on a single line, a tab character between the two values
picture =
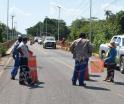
82	4
110	3
84	11
79	6
106	6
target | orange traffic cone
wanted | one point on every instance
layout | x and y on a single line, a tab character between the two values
33	68
33	75
86	76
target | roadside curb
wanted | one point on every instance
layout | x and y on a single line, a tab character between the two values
3	63
8	52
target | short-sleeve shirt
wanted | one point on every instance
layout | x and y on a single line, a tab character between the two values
24	49
82	48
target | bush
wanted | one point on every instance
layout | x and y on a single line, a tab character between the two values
3	51
98	39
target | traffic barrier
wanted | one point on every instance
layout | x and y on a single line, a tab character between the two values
96	65
33	68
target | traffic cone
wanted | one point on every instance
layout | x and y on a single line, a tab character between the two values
33	68
86	76
33	76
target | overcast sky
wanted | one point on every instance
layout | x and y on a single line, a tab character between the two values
28	12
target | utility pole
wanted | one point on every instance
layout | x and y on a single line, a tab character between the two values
90	20
46	25
15	29
37	31
43	29
58	21
7	31
12	27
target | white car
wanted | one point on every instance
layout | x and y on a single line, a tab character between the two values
49	42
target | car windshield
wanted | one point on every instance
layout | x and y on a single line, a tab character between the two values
51	39
114	39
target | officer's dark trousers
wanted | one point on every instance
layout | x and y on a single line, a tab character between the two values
79	71
16	67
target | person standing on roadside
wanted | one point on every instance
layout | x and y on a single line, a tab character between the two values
15	55
109	62
24	77
81	49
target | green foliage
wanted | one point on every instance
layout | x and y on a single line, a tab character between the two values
102	30
98	39
2	51
1	31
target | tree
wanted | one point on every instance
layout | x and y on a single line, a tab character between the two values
2	32
120	20
52	28
108	13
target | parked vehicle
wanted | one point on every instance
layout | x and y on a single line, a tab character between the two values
40	41
119	40
49	42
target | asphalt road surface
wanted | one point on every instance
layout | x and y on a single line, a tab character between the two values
55	68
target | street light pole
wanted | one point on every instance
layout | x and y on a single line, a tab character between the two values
15	26
12	27
90	20
58	21
7	31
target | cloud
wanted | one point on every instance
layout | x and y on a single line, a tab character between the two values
53	9
18	12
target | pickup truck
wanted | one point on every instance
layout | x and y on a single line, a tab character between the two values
49	41
119	41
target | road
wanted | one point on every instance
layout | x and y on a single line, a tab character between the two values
55	68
